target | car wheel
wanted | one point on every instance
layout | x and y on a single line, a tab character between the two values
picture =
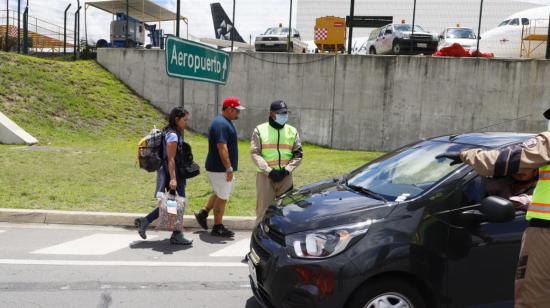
396	49
386	294
372	51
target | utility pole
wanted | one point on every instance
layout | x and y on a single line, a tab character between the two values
231	30
289	28
65	31
350	38
479	28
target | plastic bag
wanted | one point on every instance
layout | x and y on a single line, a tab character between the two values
171	209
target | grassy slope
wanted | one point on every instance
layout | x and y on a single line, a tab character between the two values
91	123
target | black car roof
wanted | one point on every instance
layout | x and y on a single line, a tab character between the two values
490	140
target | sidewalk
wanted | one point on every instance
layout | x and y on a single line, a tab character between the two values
108	218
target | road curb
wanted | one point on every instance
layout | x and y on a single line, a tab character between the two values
108	218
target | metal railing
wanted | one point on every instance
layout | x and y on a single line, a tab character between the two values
43	35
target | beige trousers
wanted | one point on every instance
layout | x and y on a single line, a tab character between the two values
532	288
267	191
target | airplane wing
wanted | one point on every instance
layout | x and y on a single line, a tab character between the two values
539	2
225	43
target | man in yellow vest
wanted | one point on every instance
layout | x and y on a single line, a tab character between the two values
276	150
532	287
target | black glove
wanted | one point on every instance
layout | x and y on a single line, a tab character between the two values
278	175
454	156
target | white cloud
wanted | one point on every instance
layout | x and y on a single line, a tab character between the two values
252	17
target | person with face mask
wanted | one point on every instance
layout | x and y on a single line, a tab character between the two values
532	284
276	150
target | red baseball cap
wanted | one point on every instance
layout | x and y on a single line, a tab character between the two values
233	102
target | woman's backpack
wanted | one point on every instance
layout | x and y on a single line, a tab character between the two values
149	153
186	167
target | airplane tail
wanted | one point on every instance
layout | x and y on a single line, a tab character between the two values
223	27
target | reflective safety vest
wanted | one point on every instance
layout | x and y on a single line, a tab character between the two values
540	205
277	144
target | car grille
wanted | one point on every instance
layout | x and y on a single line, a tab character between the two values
422	37
270	39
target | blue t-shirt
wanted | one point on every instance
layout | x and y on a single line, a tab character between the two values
221	131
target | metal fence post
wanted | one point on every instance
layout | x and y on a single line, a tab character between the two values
233	22
26	29
7	22
350	38
65	31
479	27
413	24
289	29
548	42
76	34
18	26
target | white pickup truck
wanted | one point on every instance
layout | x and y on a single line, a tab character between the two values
275	39
398	39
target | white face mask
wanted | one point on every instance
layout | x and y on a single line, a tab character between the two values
281	119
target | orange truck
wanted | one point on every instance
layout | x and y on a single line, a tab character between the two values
330	34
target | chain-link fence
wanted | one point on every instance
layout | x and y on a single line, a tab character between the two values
509	28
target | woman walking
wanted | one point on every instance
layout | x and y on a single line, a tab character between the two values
168	179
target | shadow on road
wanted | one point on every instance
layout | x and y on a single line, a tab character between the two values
163	246
206	237
252	303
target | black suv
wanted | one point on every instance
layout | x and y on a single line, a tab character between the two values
405	230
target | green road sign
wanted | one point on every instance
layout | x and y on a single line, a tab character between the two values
191	60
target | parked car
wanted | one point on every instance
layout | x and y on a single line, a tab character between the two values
398	39
276	39
466	37
405	230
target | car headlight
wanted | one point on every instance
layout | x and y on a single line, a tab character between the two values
406	36
325	243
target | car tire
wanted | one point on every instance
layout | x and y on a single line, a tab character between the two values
396	48
372	51
387	293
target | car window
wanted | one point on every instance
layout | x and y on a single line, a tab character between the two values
473	191
461	33
525	21
407	27
514	22
406	173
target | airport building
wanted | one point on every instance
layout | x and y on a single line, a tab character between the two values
433	15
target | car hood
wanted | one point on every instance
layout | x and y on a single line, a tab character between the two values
274	35
461	41
321	205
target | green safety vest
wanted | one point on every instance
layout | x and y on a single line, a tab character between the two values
540	205
276	144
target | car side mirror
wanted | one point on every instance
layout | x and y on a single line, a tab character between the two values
441	37
388	32
296	35
497	209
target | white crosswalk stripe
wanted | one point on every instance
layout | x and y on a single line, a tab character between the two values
94	245
239	249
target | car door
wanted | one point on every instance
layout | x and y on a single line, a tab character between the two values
482	257
378	44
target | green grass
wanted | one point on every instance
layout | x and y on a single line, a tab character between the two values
88	125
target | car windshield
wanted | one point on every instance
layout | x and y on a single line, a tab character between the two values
278	31
461	33
406	27
407	172
504	23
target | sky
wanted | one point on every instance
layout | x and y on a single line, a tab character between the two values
252	17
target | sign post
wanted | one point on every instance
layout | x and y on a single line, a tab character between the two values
191	60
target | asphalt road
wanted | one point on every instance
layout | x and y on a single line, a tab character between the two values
87	266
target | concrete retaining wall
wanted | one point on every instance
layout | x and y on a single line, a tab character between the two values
354	102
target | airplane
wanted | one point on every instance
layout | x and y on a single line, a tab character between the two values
224	30
505	41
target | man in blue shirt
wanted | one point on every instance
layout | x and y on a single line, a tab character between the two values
221	162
